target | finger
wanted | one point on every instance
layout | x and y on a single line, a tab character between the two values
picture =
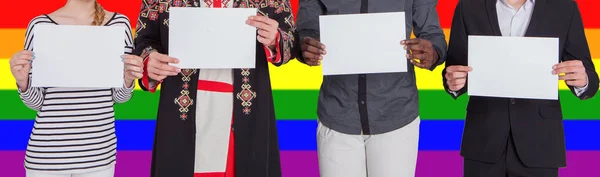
137	75
311	56
133	62
420	56
163	73
263	19
168	68
418	64
569	69
259	25
314	42
568	63
572	77
313	63
414	47
458	82
25	57
19	62
410	41
457	68
133	68
263	40
315	50
265	33
25	52
456	75
165	59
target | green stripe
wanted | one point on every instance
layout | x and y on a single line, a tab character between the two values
302	104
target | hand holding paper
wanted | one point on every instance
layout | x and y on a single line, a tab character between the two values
574	71
267	29
159	68
422	54
20	65
456	76
313	51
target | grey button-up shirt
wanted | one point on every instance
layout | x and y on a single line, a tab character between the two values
372	103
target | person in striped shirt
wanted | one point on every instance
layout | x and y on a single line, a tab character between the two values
73	134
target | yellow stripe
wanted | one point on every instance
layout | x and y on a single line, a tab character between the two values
12	41
293	75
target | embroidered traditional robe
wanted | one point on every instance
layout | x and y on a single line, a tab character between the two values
196	104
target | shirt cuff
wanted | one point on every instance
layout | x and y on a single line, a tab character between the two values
130	89
579	91
26	92
453	93
274	56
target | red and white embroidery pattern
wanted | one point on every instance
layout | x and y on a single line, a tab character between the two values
247	94
184	100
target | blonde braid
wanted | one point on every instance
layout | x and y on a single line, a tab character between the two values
98	14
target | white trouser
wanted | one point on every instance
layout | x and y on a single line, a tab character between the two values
392	154
109	172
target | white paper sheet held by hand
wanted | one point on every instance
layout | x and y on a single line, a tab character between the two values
513	67
210	38
363	43
78	56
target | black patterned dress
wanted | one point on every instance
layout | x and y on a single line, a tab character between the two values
196	95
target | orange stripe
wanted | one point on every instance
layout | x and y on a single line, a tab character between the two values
12	41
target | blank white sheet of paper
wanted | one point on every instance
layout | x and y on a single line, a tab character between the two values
78	56
363	43
513	67
207	38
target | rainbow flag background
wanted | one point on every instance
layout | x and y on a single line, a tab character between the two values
295	93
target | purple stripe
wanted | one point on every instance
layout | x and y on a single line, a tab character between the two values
304	163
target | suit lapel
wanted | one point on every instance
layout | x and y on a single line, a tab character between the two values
493	16
537	15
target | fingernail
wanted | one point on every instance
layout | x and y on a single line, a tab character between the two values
32	53
123	60
29	61
123	56
407	56
126	66
32	57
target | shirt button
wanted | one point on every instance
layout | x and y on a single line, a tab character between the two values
362	102
512	101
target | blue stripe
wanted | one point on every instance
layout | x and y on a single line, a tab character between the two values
301	134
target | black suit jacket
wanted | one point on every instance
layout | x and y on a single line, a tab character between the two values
536	125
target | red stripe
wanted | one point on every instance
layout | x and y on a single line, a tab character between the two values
213	86
16	14
219	174
217	3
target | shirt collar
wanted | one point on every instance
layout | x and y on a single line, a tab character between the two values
524	7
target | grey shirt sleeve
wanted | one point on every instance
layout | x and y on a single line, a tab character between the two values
427	26
307	22
308	18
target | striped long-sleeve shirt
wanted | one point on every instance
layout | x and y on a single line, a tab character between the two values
74	128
